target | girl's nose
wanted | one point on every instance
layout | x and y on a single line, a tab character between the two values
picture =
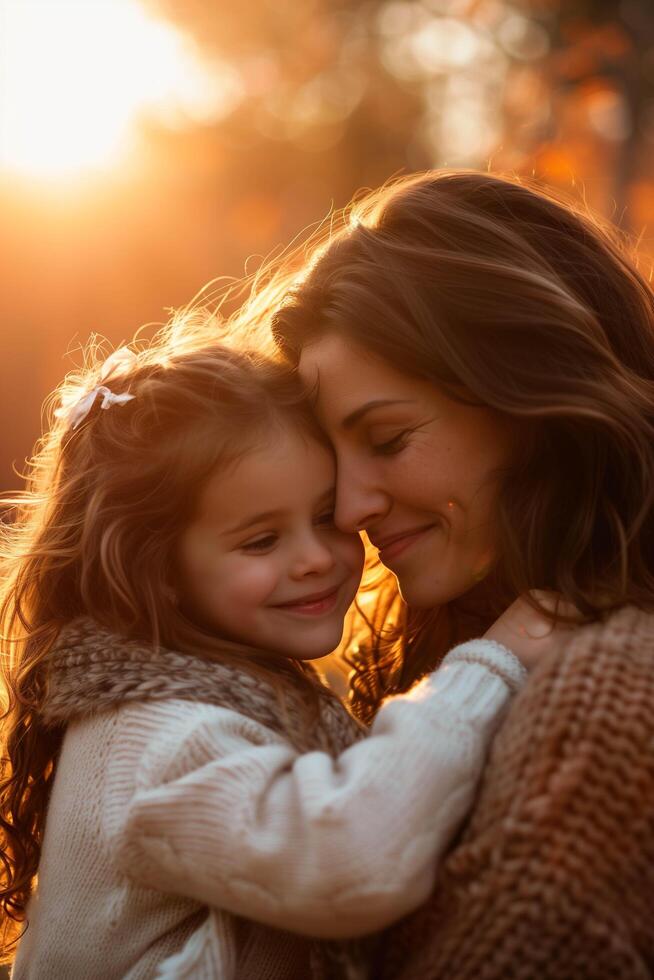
313	557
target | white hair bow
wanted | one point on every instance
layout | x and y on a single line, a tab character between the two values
75	409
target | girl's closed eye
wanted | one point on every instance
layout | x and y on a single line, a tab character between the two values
265	542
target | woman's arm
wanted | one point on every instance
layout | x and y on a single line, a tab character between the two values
240	820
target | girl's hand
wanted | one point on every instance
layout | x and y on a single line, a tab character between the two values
528	633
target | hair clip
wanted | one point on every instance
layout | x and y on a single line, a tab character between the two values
75	410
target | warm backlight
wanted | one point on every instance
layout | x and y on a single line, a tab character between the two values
75	75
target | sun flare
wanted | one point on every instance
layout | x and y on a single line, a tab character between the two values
76	75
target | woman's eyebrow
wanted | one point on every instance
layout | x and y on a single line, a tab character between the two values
351	420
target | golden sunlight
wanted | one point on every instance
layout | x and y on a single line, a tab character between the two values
76	76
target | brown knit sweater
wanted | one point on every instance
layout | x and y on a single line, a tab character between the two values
554	877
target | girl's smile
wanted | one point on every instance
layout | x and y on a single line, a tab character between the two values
312	605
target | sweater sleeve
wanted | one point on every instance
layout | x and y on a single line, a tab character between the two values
238	819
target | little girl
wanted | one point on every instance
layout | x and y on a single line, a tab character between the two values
170	572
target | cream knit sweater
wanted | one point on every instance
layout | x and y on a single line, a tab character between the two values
163	809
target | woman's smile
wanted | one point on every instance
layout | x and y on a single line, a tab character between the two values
393	545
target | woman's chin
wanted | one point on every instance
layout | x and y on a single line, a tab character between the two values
427	591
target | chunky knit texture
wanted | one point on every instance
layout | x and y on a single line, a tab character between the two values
554	878
188	839
92	670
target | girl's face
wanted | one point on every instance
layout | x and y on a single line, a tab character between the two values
416	469
262	562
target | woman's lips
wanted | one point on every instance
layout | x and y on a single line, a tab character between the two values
399	543
315	604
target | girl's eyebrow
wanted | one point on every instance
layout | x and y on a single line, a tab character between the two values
265	515
268	515
351	420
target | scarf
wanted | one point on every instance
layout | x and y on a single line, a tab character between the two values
91	670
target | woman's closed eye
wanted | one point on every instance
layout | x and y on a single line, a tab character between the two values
326	519
391	446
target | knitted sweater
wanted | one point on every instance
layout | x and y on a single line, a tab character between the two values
554	878
174	823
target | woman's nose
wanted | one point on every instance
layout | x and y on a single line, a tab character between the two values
313	557
359	502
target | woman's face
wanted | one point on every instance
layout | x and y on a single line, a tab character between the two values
417	470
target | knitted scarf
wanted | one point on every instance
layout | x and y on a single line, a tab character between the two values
554	876
91	670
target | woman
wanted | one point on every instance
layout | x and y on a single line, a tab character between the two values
482	358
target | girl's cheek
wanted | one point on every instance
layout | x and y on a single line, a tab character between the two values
255	578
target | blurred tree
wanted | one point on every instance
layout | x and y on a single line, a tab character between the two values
566	89
600	76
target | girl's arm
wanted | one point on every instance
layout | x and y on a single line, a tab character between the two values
236	818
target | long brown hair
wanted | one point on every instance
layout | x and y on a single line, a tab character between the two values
95	534
527	304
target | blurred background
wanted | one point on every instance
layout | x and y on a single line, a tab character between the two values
148	146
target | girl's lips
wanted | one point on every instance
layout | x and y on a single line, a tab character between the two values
314	605
398	545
